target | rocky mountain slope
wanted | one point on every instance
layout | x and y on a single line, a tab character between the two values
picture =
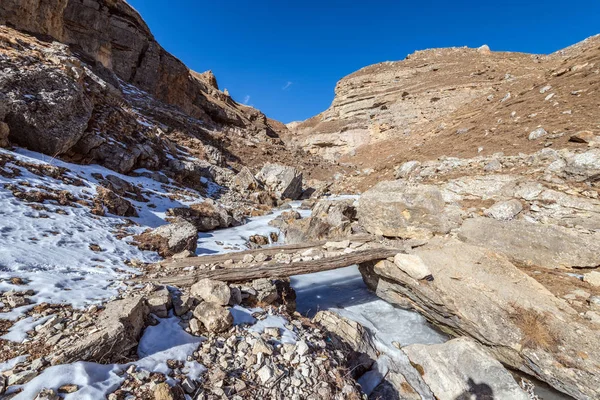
143	215
457	102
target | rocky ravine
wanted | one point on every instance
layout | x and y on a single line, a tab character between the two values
118	163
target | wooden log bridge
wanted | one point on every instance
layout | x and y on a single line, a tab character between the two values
268	269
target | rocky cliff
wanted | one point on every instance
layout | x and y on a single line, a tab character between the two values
457	102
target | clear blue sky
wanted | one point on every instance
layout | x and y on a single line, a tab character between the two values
284	57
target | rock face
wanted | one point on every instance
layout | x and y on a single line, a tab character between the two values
479	293
169	239
403	209
461	369
284	181
549	246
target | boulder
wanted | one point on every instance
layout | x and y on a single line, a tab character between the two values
119	328
284	181
404	209
407	169
350	337
504	210
212	291
537	133
213	316
205	216
481	294
593	278
113	203
330	219
548	246
583	166
461	369
169	239
48	109
245	181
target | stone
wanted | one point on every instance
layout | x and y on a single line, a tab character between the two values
160	303
47	394
213	316
20	378
169	239
407	169
205	216
583	166
118	330
548	246
403	209
68	389
260	346
302	348
163	391
259	240
485	49
330	219
593	278
504	210
245	181
194	325
480	293
461	368
114	204
284	181
537	133
265	373
412	265
493	165
212	291
586	137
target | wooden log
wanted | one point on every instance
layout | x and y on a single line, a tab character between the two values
277	270
268	251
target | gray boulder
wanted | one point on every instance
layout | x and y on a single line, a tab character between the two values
583	166
284	181
170	239
504	210
215	318
461	369
47	109
211	291
119	329
403	209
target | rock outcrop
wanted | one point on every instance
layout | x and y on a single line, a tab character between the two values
461	368
481	294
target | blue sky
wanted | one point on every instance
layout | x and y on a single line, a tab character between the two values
284	57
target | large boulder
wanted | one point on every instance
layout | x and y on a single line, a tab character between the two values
211	291
205	216
461	369
480	293
404	209
48	110
118	331
113	203
531	243
330	219
284	181
583	166
245	181
169	239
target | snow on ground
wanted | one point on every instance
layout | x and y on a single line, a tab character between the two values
51	251
165	341
234	239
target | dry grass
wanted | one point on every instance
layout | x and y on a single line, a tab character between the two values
535	329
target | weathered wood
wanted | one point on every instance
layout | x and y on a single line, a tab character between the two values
268	251
277	270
